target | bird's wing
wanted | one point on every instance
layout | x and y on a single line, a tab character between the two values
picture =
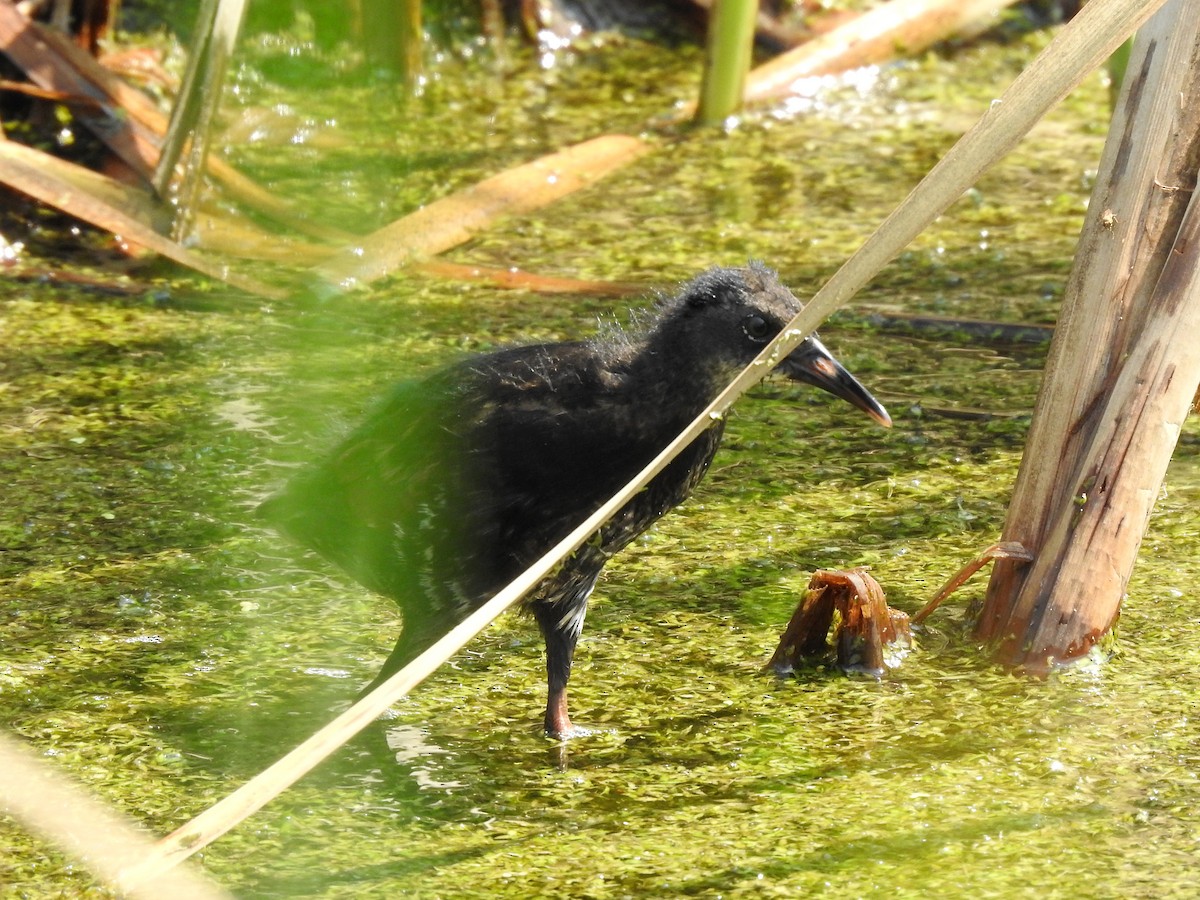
403	454
379	475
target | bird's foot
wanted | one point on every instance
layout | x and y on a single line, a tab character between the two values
558	723
559	728
571	731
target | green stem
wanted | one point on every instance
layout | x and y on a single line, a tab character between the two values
731	27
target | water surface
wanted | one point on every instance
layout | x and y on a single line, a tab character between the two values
162	647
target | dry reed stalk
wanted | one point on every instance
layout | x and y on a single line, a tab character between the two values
1123	367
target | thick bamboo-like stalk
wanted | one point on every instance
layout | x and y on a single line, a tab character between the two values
1123	367
1077	50
730	48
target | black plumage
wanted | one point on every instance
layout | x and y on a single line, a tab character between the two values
456	483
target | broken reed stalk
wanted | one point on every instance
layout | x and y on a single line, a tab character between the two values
999	550
866	624
217	26
876	36
186	110
36	181
132	201
453	219
1123	367
52	61
872	37
1076	51
37	51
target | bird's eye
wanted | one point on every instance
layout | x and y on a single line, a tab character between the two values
757	328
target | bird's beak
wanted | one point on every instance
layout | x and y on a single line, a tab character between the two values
812	363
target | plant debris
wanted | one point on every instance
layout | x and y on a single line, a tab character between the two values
848	610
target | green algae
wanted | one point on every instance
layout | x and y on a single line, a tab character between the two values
162	648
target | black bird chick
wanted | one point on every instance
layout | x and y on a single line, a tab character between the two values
456	483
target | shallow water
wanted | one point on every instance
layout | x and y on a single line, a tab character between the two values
163	648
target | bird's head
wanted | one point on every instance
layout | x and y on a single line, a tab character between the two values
726	316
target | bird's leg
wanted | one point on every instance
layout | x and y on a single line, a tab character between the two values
557	722
560	651
560	624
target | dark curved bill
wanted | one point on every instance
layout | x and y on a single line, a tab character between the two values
813	364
